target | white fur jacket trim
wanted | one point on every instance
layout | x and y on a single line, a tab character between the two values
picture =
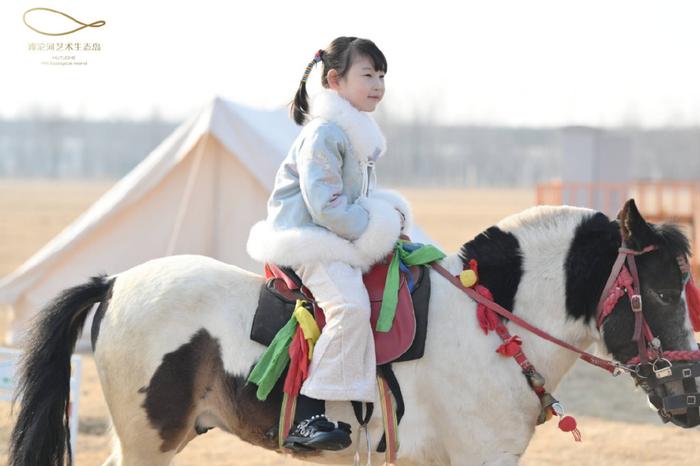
366	138
313	243
296	246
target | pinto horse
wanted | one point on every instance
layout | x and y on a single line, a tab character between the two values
172	349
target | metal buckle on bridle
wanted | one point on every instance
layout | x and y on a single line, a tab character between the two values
638	371
622	369
636	303
664	370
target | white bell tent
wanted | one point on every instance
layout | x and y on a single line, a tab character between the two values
198	192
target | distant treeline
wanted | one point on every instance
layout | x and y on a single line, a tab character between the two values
418	154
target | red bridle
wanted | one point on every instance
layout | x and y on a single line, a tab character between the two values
627	279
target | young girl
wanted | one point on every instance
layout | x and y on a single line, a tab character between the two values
329	224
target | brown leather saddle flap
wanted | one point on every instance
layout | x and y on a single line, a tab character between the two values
390	345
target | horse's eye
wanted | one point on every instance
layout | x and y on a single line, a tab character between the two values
666	297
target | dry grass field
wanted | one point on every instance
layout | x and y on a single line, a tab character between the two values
617	427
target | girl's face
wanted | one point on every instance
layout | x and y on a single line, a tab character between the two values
362	86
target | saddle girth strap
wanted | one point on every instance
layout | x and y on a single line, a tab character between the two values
387	373
391	414
391	433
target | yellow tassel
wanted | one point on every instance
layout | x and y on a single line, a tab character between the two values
308	325
468	278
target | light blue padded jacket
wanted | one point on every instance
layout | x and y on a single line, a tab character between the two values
325	205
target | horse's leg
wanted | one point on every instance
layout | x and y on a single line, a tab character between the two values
149	423
137	443
134	456
191	434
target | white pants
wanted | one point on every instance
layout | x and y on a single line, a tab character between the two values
343	366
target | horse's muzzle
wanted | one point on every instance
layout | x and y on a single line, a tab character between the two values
672	389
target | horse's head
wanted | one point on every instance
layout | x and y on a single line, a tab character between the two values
622	280
668	370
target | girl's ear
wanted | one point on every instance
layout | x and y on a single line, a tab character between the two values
332	78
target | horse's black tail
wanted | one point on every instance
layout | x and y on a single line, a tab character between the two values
41	435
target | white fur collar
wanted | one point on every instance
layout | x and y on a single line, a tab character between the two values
366	138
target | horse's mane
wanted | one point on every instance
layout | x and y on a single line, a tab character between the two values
544	217
672	238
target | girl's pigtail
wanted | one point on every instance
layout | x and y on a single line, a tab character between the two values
300	105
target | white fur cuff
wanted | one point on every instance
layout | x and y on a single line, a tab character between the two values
395	199
296	246
382	231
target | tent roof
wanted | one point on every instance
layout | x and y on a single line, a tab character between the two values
260	139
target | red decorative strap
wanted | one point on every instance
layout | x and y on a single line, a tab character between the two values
607	365
672	356
511	346
622	284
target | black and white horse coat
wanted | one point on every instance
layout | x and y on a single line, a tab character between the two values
172	350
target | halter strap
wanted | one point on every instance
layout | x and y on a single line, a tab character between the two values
623	254
642	333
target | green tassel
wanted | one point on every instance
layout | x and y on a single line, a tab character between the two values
273	361
390	299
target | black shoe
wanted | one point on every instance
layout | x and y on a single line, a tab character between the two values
318	433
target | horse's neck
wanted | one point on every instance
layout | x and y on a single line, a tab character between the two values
549	359
541	301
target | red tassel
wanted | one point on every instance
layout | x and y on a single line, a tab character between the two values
568	424
511	347
488	320
692	300
298	363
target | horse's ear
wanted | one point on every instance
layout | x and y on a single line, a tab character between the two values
635	230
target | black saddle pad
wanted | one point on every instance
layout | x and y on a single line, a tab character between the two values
276	304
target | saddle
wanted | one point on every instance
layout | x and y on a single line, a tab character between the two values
405	341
